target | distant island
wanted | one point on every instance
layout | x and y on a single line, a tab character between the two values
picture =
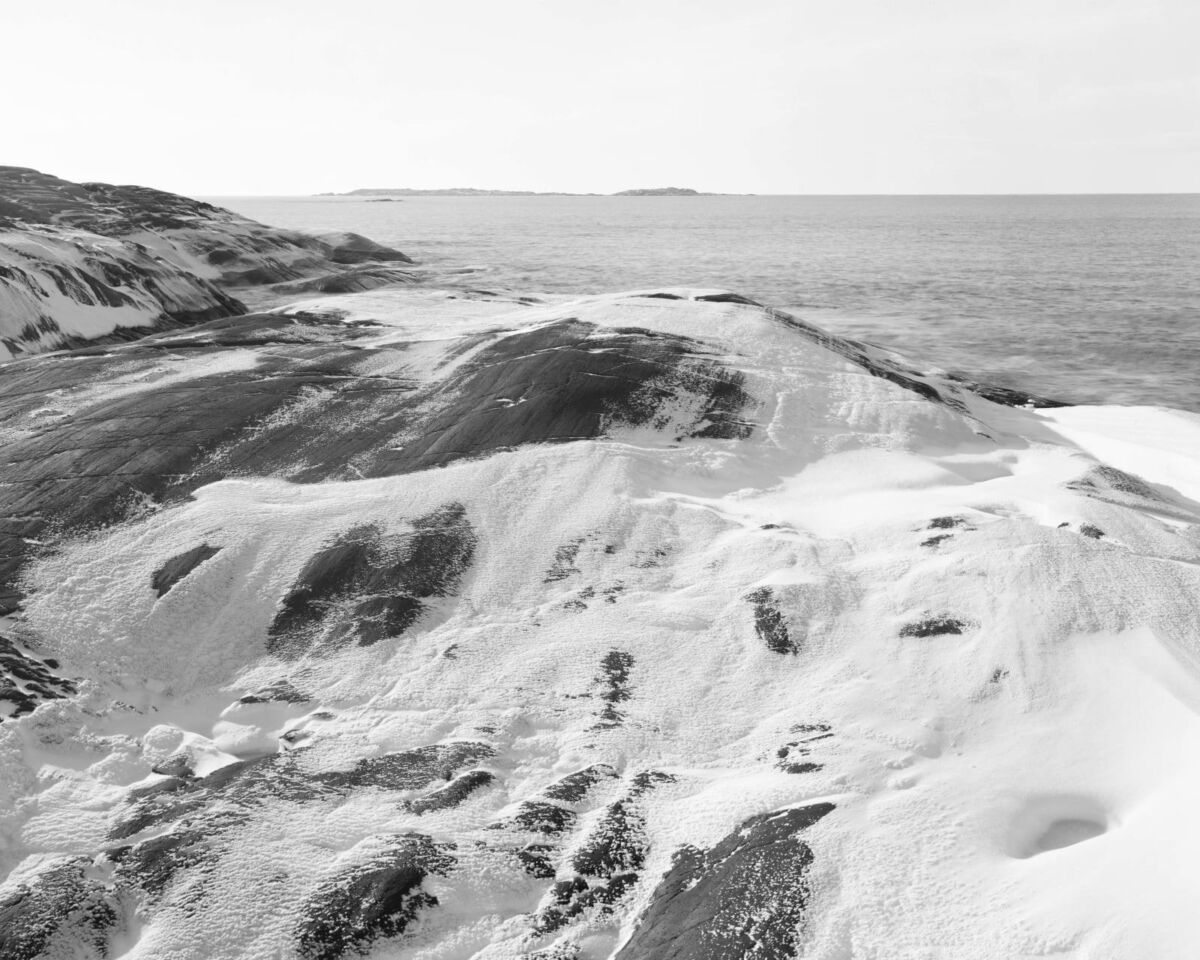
663	192
389	192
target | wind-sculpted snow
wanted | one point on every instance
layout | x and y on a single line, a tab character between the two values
435	624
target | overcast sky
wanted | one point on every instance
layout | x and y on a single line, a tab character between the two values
760	96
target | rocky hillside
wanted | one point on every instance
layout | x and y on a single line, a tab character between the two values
655	626
88	260
61	288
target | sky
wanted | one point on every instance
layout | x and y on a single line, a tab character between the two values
267	97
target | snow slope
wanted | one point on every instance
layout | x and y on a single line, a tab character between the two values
652	625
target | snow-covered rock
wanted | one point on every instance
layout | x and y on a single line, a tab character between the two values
61	287
207	240
81	261
431	624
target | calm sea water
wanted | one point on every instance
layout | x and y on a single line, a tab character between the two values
1086	298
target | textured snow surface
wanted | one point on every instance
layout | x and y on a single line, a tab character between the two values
840	661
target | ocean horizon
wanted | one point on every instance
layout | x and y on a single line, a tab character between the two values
1087	298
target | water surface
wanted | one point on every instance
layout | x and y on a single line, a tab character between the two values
1087	298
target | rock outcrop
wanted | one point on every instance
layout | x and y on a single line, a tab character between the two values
61	288
83	261
429	623
213	243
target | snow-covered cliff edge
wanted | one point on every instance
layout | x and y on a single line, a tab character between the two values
655	625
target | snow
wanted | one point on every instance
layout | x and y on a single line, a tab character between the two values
48	288
1156	443
1021	788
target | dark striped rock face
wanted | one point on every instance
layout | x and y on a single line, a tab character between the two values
432	624
61	288
83	261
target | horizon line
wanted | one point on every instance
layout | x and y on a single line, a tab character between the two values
485	192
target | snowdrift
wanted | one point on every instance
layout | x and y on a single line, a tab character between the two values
434	624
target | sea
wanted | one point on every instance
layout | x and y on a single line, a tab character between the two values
1087	299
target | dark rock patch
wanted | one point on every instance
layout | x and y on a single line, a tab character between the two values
746	897
409	770
571	899
62	912
792	756
152	865
281	691
371	901
769	621
564	562
1095	533
579	601
353	248
26	681
933	627
179	566
1007	396
219	257
728	298
946	523
560	951
194	820
937	540
577	383
246	784
647	559
451	795
367	585
575	786
176	765
1104	480
607	863
536	860
614	682
537	816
